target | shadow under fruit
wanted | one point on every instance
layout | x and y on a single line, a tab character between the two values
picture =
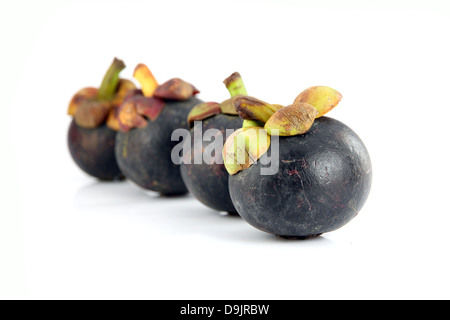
323	180
92	133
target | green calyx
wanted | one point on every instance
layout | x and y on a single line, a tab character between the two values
91	107
292	120
203	111
111	81
227	106
242	149
324	99
252	123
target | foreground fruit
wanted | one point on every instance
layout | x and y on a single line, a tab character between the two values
208	180
323	179
147	120
92	133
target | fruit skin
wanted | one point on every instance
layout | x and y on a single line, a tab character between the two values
93	151
324	179
144	154
209	182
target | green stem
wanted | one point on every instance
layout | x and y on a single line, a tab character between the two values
111	80
235	85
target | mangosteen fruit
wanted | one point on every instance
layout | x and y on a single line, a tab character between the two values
319	174
147	119
92	133
207	179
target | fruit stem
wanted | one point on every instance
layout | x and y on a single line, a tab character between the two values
111	80
235	85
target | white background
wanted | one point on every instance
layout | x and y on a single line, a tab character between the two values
65	236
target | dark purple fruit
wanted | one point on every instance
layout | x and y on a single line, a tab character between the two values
144	154
323	181
93	151
92	132
209	182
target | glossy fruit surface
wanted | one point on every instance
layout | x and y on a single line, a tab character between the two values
323	180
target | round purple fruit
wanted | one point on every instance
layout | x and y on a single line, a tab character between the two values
320	173
207	179
92	133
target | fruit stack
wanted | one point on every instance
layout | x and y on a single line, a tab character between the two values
286	170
